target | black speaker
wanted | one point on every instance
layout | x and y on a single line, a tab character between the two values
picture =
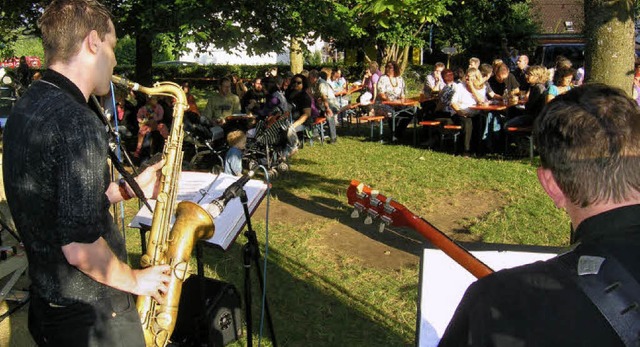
208	315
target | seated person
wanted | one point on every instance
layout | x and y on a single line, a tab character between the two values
443	109
237	140
300	101
254	99
432	85
221	104
503	82
339	85
562	79
463	98
537	79
150	118
391	87
191	100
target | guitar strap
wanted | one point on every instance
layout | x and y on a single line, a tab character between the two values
610	287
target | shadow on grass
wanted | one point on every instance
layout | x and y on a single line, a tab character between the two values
308	311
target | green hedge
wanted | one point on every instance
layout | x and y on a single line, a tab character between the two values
205	76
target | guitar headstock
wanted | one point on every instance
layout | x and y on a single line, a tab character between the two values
374	206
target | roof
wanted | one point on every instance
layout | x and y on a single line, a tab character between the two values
557	15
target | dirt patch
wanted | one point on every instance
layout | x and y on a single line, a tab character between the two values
394	248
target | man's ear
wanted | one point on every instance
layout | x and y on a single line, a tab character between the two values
550	186
93	41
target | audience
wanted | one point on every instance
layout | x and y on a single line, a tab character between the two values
391	87
463	98
561	82
326	100
150	117
237	140
537	79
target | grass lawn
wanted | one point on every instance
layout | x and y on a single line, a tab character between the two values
322	295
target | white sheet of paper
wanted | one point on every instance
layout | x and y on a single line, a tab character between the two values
202	188
444	282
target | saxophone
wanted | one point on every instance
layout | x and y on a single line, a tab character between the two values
165	245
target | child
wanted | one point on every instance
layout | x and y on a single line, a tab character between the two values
237	140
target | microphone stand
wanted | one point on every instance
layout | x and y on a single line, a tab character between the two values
251	251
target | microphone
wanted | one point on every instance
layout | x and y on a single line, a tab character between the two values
216	206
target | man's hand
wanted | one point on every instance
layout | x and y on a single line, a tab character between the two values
149	180
153	281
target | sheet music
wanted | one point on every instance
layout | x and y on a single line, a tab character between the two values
202	188
444	282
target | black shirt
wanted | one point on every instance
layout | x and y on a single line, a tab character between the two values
538	305
509	83
299	100
259	96
55	177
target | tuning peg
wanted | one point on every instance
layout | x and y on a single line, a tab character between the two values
387	206
360	188
381	227
368	220
374	193
355	213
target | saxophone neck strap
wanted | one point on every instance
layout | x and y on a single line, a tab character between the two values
128	177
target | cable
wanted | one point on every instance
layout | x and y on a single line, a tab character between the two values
114	114
266	255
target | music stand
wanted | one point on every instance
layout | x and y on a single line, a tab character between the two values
251	252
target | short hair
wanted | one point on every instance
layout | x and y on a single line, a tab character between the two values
562	61
538	72
323	74
525	58
438	64
502	68
589	138
327	71
314	73
447	76
373	66
474	61
486	69
561	73
236	137
225	79
65	23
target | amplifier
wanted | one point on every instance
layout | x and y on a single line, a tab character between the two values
208	315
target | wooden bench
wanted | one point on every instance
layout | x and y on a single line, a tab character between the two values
451	131
372	120
526	132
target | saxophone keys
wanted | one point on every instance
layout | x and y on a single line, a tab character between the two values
180	270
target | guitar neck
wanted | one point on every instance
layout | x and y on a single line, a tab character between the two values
458	253
390	212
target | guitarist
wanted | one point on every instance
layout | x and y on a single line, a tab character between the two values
589	144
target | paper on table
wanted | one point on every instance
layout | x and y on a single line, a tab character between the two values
202	188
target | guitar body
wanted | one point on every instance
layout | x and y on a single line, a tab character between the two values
389	212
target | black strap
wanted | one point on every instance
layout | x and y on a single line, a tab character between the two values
610	287
130	179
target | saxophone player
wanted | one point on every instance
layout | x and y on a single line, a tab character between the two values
58	190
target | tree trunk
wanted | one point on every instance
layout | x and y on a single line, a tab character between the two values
609	31
144	59
295	56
